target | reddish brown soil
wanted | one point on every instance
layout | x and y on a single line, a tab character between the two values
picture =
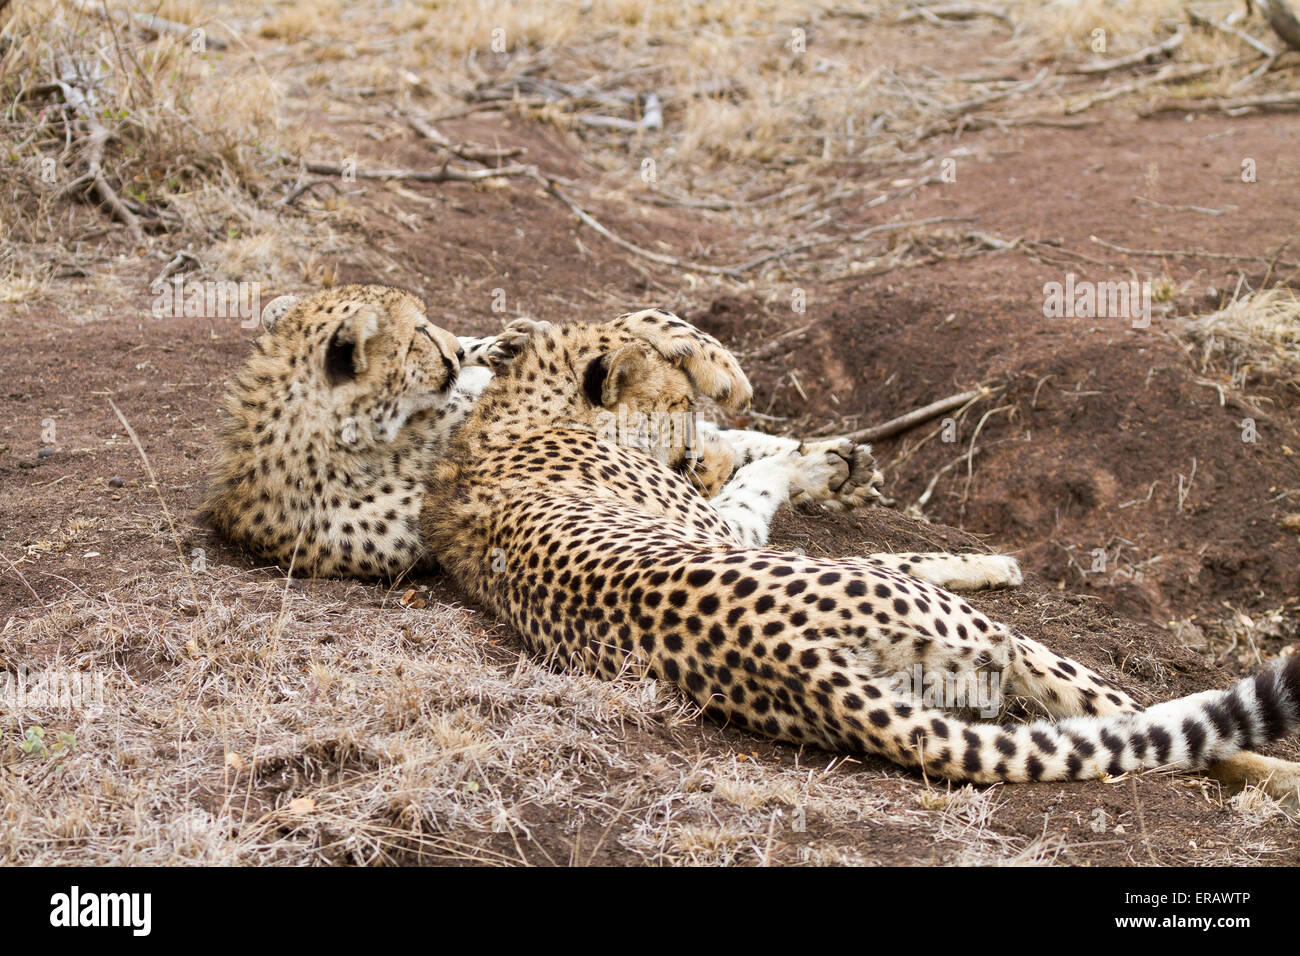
1103	410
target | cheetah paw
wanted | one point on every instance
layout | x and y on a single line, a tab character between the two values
975	572
512	340
854	480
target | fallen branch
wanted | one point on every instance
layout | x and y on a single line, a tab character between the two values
1201	20
1143	201
937	13
470	152
444	174
778	344
1253	75
175	265
652	118
1291	98
1189	254
149	24
732	271
1170	72
856	237
1133	59
553	188
302	187
965	106
913	418
83	103
661	197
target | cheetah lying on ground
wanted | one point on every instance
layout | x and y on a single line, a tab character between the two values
605	559
352	396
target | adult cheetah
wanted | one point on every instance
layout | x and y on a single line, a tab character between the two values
352	395
603	558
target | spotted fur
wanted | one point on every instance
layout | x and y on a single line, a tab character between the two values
330	428
351	396
605	559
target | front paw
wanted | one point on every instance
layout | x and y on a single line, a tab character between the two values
854	480
817	469
512	340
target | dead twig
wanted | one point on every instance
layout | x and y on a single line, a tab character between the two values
1169	73
778	344
733	271
1201	20
149	24
444	174
652	118
1143	201
1188	254
970	455
662	197
924	500
83	103
1145	55
915	417
1231	105
965	106
590	221
302	187
175	265
939	12
806	244
471	152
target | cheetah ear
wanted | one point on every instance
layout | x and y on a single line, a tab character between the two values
275	310
345	357
713	370
608	377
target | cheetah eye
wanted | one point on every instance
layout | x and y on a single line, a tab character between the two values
425	330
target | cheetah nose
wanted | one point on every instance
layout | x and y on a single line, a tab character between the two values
460	354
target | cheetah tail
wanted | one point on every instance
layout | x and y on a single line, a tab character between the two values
1187	733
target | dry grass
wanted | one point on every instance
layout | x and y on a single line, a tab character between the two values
266	725
179	128
1255	332
758	96
247	722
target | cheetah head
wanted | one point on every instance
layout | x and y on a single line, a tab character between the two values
367	354
644	387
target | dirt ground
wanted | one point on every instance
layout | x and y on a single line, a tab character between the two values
1109	458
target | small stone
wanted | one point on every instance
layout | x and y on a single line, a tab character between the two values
45	453
116	482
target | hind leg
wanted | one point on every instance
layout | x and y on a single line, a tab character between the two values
1280	779
1065	688
956	572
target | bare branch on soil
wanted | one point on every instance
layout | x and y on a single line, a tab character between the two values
1287	100
1146	55
915	417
